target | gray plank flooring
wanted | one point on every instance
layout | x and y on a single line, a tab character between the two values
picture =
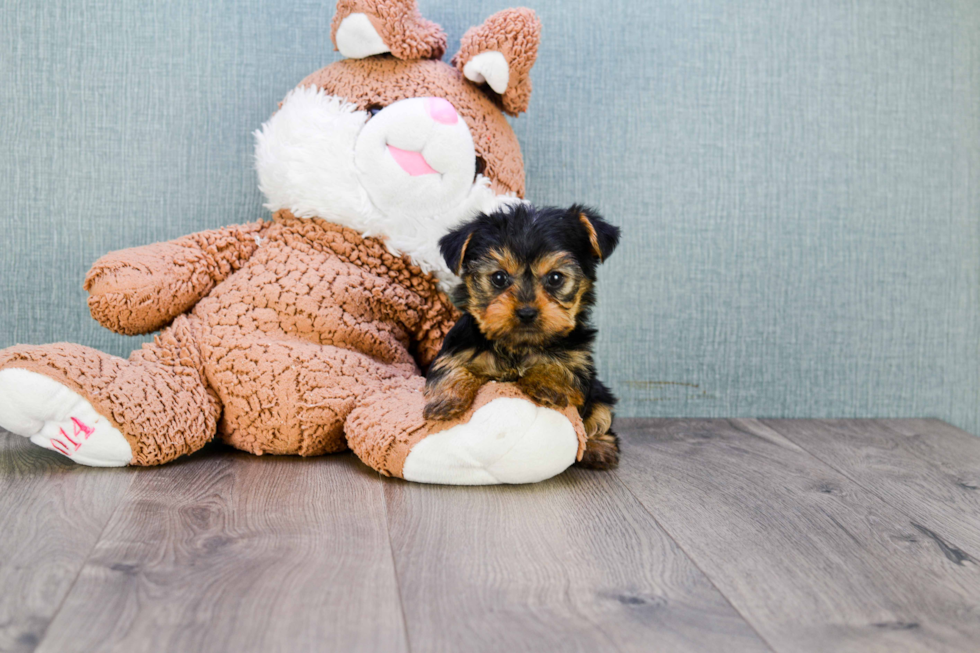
812	560
713	535
231	552
928	469
572	564
52	513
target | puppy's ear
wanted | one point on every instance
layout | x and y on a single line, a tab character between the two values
603	237
454	245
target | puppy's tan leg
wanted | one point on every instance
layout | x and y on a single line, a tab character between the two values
601	445
450	390
552	386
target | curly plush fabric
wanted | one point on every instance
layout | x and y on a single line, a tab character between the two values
184	270
311	322
515	33
399	24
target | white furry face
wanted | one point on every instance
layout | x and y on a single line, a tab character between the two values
416	157
405	175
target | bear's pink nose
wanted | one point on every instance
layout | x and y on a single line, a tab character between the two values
442	111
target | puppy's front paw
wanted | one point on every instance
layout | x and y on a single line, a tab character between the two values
445	408
601	452
545	395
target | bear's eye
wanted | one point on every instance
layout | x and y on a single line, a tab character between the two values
554	280
499	279
374	110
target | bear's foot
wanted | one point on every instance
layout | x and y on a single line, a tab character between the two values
508	440
54	417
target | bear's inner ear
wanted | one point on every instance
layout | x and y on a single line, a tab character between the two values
363	28
357	38
500	54
603	237
490	68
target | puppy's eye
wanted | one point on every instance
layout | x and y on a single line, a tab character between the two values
554	279
499	279
374	110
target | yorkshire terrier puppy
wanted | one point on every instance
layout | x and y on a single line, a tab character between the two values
526	294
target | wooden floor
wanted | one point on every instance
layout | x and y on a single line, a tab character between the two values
713	535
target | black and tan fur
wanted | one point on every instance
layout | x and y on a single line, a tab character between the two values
527	290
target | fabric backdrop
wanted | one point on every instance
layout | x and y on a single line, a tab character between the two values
798	181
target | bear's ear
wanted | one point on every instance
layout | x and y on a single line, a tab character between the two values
603	237
454	245
362	28
501	52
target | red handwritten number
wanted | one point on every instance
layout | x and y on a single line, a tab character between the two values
81	428
65	436
60	446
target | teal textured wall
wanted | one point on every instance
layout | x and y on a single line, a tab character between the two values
798	180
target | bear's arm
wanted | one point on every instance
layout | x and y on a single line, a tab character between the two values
142	289
429	333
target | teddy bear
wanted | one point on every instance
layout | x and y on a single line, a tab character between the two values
308	333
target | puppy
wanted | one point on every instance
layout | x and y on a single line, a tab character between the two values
526	294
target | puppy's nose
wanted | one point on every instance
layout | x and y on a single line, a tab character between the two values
442	110
527	314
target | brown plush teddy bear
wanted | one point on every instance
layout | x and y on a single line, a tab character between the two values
306	334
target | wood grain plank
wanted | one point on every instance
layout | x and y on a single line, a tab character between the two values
811	559
927	469
232	552
571	564
52	512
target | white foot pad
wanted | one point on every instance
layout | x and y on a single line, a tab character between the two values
506	441
56	418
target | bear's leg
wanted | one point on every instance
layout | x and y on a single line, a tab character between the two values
101	410
502	438
292	397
